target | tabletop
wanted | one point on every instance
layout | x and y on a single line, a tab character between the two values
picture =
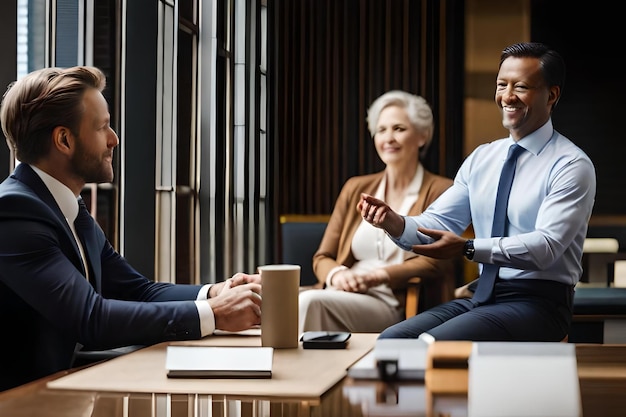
601	372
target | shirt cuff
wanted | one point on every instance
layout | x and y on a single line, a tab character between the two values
483	249
332	272
203	294
207	318
410	236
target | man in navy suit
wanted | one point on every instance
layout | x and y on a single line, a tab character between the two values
57	292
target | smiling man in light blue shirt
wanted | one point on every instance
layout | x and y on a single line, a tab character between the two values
550	203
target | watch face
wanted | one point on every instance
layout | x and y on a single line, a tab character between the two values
469	249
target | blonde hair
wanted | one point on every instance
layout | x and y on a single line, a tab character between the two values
42	100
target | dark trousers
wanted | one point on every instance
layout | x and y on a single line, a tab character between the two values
522	310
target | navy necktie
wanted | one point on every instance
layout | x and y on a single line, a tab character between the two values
84	225
498	229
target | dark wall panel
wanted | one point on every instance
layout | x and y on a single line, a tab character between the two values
332	59
140	134
8	70
591	110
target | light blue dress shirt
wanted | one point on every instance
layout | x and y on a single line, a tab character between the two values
549	207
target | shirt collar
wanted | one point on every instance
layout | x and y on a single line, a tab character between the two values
536	141
65	198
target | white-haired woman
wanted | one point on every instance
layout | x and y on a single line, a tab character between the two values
364	274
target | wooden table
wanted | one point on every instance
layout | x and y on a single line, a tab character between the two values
601	370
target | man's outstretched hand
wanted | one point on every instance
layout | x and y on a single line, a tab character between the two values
378	213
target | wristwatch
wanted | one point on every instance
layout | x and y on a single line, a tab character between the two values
468	249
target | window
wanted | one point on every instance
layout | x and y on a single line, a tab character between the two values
195	212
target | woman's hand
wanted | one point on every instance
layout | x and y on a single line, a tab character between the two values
347	280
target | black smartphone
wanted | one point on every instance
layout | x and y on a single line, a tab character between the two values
325	340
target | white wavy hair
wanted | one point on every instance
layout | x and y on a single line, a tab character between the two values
417	109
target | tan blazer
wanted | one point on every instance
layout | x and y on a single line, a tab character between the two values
438	276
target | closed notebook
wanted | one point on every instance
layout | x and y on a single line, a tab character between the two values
219	362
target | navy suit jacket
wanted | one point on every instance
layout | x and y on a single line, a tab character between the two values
47	305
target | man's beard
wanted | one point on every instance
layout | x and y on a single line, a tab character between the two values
91	168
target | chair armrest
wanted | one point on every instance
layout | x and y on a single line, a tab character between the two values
412	296
88	357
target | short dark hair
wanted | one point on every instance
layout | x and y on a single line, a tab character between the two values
36	104
552	63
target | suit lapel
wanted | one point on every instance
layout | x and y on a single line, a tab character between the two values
25	174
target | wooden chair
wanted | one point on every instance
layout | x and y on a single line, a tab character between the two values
415	287
467	271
